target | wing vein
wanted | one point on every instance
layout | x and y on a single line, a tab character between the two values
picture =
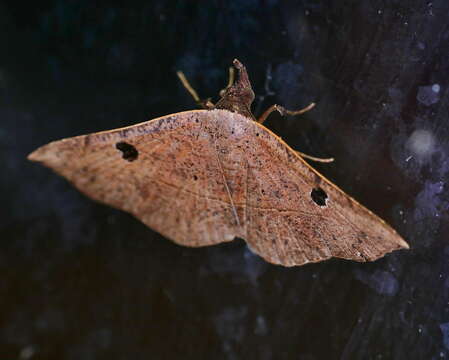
233	209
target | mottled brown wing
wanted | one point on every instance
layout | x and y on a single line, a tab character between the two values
172	183
292	215
204	177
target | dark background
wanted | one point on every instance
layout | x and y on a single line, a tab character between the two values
79	280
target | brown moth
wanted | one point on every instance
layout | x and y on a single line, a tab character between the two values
203	177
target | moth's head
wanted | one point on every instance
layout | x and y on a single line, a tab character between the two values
241	91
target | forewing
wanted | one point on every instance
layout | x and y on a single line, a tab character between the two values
165	171
286	224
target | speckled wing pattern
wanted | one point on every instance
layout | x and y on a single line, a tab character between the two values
204	177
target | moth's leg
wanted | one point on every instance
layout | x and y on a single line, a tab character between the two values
206	104
283	111
231	78
313	158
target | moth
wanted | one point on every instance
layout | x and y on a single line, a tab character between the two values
204	177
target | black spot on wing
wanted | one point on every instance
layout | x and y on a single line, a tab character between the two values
129	152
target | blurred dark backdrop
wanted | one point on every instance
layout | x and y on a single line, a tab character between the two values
79	280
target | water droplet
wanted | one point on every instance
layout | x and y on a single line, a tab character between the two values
427	95
421	142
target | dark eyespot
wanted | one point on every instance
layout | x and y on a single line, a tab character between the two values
195	177
129	152
319	196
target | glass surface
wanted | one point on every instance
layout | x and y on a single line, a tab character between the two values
80	280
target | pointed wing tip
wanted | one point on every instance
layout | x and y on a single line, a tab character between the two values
403	244
34	156
44	154
399	241
39	155
400	244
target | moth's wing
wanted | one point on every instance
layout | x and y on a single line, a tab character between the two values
204	177
174	186
282	222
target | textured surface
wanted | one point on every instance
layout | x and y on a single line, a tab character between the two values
80	280
205	177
